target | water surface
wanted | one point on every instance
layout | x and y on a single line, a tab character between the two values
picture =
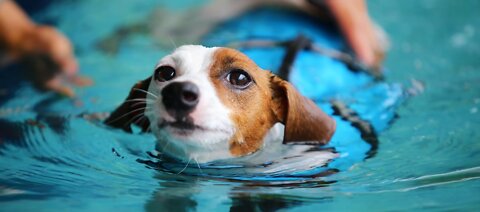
428	159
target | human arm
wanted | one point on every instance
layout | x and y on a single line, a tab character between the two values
20	37
367	41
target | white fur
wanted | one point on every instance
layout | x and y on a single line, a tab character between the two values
192	64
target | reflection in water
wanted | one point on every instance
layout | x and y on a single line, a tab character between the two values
175	194
427	160
180	193
265	202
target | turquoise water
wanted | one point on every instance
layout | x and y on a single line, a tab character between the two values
428	159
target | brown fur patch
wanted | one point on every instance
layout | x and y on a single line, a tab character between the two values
249	107
267	101
303	120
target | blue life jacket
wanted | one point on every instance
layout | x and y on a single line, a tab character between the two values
362	105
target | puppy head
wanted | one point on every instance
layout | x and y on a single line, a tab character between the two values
215	103
259	99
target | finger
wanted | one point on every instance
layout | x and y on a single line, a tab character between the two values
80	80
56	85
68	64
355	24
59	48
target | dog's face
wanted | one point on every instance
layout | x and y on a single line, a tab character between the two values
215	103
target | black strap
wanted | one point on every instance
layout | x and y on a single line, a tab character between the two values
302	42
293	48
367	132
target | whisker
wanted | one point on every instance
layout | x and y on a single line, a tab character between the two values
139	103
140	100
172	41
147	109
147	92
143	102
198	165
164	147
141	120
132	120
185	166
126	114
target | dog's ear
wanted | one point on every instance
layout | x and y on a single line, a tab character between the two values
131	111
303	120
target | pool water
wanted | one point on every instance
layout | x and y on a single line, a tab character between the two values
50	159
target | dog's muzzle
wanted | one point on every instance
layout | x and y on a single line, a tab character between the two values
180	98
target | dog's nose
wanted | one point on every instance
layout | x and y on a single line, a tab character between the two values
180	98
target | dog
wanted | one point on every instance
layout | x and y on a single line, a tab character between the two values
215	103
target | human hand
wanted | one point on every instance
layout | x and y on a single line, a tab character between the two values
48	56
46	53
367	41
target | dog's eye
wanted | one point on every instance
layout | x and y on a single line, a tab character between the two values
239	79
164	73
